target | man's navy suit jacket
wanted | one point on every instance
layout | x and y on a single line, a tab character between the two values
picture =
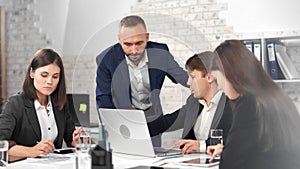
113	82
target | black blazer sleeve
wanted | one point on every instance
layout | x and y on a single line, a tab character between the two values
238	148
19	123
9	117
175	120
162	123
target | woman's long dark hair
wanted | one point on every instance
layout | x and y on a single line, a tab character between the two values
279	117
42	58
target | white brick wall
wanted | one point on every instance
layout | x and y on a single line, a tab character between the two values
197	25
23	39
192	26
187	26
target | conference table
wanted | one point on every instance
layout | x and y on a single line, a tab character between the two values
120	161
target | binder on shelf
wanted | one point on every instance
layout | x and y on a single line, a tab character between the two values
249	45
285	63
255	47
273	66
257	50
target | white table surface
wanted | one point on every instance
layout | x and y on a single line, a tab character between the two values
120	161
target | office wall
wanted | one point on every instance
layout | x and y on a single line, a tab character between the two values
23	38
262	16
187	27
80	29
193	26
53	20
85	19
62	19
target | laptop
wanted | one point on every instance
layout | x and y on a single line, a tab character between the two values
127	132
79	106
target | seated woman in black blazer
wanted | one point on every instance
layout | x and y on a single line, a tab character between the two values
265	128
36	121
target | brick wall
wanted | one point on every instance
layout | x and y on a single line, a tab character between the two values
194	26
187	26
24	38
191	26
81	78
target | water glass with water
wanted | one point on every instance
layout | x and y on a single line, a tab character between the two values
3	153
83	156
216	136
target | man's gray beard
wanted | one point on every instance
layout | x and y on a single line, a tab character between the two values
142	55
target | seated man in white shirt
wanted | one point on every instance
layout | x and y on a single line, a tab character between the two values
205	109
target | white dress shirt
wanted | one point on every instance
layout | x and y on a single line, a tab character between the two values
204	120
47	121
140	83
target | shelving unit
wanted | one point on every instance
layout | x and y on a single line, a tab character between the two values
287	81
280	48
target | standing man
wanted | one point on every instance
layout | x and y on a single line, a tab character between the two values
131	73
206	108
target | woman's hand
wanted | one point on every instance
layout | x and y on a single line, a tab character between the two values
76	135
214	150
187	146
42	148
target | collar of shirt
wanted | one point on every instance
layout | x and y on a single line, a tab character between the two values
38	105
142	62
204	120
214	101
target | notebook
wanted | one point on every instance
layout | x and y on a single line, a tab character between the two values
127	133
79	106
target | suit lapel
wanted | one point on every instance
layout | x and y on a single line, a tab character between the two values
59	122
122	93
192	114
31	113
122	71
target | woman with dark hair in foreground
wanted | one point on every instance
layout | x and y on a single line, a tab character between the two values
265	130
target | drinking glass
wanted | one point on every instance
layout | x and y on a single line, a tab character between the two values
216	136
83	156
85	137
3	153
